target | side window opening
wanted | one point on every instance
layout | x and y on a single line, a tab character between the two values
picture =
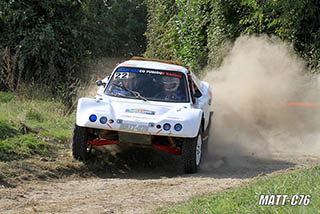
195	92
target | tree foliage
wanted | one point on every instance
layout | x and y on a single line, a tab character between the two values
293	21
50	40
190	35
160	30
197	31
177	30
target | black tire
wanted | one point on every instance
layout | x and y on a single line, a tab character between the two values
206	135
190	153
205	150
80	143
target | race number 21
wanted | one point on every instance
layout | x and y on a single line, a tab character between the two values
278	200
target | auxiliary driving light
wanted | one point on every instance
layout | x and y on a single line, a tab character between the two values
178	127
166	126
103	120
93	118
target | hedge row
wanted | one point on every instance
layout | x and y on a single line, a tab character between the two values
196	31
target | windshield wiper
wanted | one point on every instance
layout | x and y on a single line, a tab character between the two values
135	93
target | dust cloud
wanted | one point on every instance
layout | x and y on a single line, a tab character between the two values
98	68
251	92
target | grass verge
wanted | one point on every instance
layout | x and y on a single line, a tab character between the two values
35	137
34	140
246	199
32	127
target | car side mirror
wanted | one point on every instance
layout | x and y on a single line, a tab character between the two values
100	83
197	94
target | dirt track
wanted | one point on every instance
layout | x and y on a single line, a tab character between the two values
142	188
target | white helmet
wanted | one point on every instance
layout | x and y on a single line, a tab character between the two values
128	79
171	83
131	75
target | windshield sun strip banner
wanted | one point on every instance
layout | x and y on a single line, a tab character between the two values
147	71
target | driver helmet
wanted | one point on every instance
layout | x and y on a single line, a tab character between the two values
129	80
170	83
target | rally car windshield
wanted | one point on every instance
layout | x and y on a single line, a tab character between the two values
147	84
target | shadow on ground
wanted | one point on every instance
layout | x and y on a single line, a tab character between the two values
153	164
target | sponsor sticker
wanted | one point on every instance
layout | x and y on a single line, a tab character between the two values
140	111
137	117
282	199
173	75
175	118
123	70
151	72
135	70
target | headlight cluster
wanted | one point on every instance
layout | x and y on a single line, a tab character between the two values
103	119
167	127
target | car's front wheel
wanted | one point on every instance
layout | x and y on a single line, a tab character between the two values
192	153
80	149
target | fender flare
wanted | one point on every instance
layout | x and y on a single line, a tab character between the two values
199	119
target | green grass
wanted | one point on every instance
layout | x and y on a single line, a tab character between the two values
35	139
6	130
246	199
31	127
21	147
33	114
5	97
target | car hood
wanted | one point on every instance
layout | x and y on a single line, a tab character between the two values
148	111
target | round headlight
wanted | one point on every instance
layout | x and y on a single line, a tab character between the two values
166	126
93	118
103	120
178	127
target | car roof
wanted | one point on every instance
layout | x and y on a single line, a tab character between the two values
153	64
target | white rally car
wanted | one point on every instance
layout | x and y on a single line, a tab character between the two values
147	102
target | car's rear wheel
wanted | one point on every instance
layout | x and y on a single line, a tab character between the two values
192	153
80	148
